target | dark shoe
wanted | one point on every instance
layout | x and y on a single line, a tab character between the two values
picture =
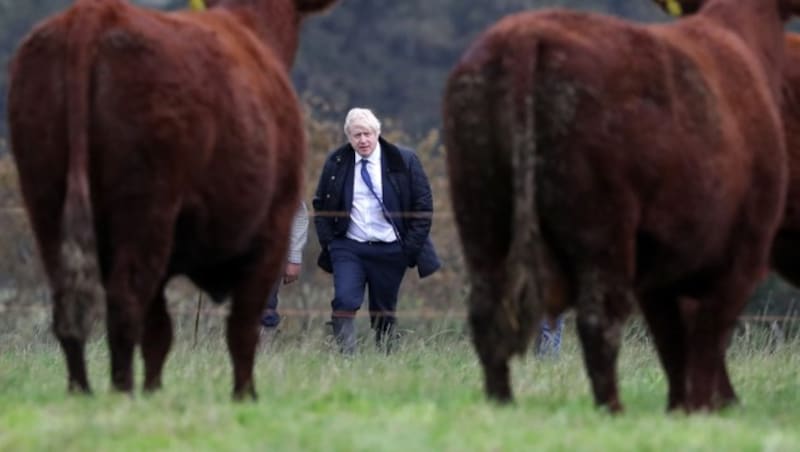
271	319
344	331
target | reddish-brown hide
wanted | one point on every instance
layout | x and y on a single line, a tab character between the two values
152	144
786	248
597	163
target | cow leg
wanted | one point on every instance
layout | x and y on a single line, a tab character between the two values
708	385
156	341
71	326
666	325
124	320
141	244
500	327
73	348
724	394
242	336
250	299
602	307
702	367
493	356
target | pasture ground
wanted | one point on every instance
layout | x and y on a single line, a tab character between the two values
426	396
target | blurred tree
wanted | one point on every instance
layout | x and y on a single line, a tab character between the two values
16	18
395	56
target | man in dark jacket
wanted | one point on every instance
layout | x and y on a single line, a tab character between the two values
373	213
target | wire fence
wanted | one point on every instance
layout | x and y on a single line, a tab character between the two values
441	295
220	310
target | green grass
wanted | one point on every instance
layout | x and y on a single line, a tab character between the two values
427	396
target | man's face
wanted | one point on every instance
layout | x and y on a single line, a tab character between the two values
363	139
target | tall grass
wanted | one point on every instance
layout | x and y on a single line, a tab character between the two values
426	396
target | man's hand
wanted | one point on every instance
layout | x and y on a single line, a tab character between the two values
291	273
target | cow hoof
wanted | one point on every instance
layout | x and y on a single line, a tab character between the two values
615	407
150	388
501	395
74	387
245	395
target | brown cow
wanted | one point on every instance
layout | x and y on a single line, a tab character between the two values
786	245
152	144
786	248
595	162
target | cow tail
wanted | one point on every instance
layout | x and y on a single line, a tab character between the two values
525	298
78	289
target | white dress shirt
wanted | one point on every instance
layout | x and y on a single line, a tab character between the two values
367	222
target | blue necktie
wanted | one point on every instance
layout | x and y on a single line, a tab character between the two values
368	181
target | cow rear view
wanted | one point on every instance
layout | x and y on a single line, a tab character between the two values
153	144
786	248
596	164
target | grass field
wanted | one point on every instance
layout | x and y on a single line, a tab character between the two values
427	396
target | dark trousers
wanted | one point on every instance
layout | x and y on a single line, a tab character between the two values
271	318
376	265
549	341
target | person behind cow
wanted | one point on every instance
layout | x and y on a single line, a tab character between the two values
548	344
373	213
297	240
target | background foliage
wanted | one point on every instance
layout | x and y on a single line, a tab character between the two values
390	55
395	56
